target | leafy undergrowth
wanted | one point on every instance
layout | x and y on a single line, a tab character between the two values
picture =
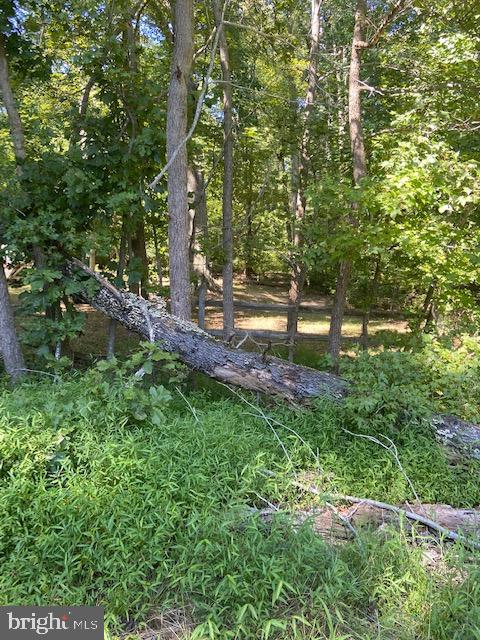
134	497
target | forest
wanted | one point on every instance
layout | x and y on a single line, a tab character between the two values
239	316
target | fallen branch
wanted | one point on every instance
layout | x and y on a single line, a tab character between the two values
280	336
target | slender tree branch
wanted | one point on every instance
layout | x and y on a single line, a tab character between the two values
396	9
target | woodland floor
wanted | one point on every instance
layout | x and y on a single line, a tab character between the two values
309	321
154	506
91	344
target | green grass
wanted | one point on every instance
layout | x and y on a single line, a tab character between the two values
146	515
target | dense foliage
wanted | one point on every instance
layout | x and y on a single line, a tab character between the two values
90	81
136	496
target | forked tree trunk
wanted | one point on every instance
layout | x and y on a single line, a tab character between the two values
227	206
179	263
359	161
247	370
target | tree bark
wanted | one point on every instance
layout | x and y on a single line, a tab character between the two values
92	259
357	140
299	180
338	312
158	257
14	121
369	295
140	253
227	206
196	185
202	352
337	525
122	259
359	162
253	371
179	264
9	344
249	237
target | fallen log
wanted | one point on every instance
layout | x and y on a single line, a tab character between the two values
338	524
258	372
202	352
458	525
444	520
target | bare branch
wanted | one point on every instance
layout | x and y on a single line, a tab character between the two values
396	9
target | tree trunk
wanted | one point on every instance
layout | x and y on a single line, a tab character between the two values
14	121
297	271
92	259
140	253
227	207
252	371
338	311
428	310
249	239
369	298
122	259
158	258
196	185
357	141
300	178
9	344
359	161
202	352
179	264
